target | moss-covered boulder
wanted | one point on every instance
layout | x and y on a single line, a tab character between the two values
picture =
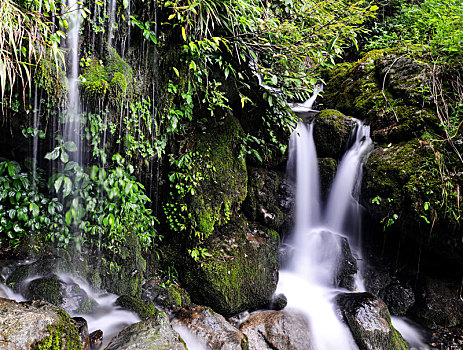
42	267
241	272
386	88
143	309
331	133
168	296
403	189
65	294
154	333
36	325
327	169
370	322
49	289
224	176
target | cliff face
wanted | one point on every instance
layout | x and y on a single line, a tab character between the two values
412	180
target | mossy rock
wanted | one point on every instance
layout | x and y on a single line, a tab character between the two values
262	201
387	89
240	274
49	289
37	325
45	266
121	274
154	333
369	321
402	183
225	177
327	169
143	309
168	296
52	78
331	133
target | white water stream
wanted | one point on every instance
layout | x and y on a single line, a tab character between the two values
308	281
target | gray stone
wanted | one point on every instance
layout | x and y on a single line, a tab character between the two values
25	326
154	333
369	321
211	328
277	330
346	268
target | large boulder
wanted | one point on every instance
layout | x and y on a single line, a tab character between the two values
68	295
331	133
369	321
402	189
240	274
155	333
36	325
385	88
346	266
277	330
211	328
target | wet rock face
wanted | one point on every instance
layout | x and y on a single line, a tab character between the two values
346	268
169	297
261	203
152	334
439	304
242	272
211	328
398	298
29	325
69	295
369	321
277	330
331	133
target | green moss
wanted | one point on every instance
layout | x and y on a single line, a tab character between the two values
110	77
62	336
48	289
225	184
144	310
241	272
52	78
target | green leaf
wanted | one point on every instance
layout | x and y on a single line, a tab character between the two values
67	187
64	157
34	209
70	146
71	165
53	154
58	183
68	217
11	170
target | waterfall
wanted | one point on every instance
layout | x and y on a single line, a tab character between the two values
73	108
308	281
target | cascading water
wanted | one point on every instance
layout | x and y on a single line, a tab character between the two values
308	281
72	125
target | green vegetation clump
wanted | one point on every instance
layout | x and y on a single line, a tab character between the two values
144	310
107	78
62	336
